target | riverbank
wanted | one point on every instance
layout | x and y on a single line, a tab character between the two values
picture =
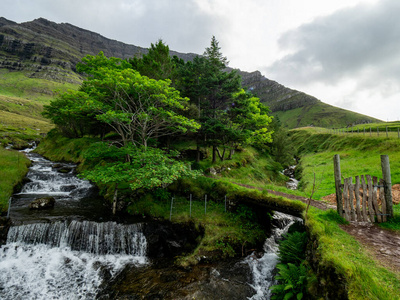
13	168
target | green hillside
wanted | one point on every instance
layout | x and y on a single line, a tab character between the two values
321	114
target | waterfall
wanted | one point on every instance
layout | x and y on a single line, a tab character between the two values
262	268
88	236
66	261
63	259
48	178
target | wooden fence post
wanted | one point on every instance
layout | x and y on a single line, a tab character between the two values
338	182
388	184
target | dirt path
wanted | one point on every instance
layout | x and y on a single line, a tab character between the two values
382	244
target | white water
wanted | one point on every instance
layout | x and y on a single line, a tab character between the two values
62	260
39	262
42	272
47	180
263	267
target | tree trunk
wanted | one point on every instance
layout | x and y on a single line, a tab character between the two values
198	153
114	205
231	152
214	154
221	157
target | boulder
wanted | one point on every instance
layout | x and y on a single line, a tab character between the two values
42	203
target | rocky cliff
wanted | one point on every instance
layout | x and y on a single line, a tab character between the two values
277	96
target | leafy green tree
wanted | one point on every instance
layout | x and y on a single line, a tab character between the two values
248	121
72	117
208	85
145	169
156	64
137	108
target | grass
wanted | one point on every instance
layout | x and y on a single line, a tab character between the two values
225	233
394	223
13	167
337	249
21	85
359	156
320	114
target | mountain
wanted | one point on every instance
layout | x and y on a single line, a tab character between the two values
297	109
42	49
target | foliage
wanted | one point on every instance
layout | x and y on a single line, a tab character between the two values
156	64
142	170
293	282
292	248
71	115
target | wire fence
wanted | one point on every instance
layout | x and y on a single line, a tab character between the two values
196	206
371	131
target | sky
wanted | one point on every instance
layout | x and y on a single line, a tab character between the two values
344	52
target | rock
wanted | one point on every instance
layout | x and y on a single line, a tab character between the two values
65	170
212	171
42	203
292	184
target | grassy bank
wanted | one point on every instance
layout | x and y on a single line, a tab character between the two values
360	155
350	260
13	167
226	233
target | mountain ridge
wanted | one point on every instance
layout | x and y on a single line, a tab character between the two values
48	50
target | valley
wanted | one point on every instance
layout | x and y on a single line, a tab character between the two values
230	167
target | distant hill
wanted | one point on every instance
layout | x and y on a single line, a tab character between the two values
297	109
43	49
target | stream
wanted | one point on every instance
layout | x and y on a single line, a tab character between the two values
74	249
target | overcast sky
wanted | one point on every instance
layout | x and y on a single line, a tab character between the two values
344	52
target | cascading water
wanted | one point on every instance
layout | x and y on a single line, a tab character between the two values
72	195
263	267
39	260
63	259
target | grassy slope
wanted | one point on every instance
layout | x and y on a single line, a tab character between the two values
360	155
13	167
320	114
336	249
21	103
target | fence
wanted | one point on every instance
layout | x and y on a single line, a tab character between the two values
372	131
196	206
362	201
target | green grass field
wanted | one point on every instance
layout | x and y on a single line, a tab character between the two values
360	155
320	114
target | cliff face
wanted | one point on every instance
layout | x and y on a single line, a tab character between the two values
49	50
275	95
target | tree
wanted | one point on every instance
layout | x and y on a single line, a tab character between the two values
146	169
139	109
156	64
72	117
208	85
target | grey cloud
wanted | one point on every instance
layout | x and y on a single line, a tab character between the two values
180	23
349	43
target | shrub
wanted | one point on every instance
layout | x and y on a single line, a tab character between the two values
292	282
292	249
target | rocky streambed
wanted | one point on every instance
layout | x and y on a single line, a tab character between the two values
75	250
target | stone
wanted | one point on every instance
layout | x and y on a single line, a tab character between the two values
42	203
212	171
